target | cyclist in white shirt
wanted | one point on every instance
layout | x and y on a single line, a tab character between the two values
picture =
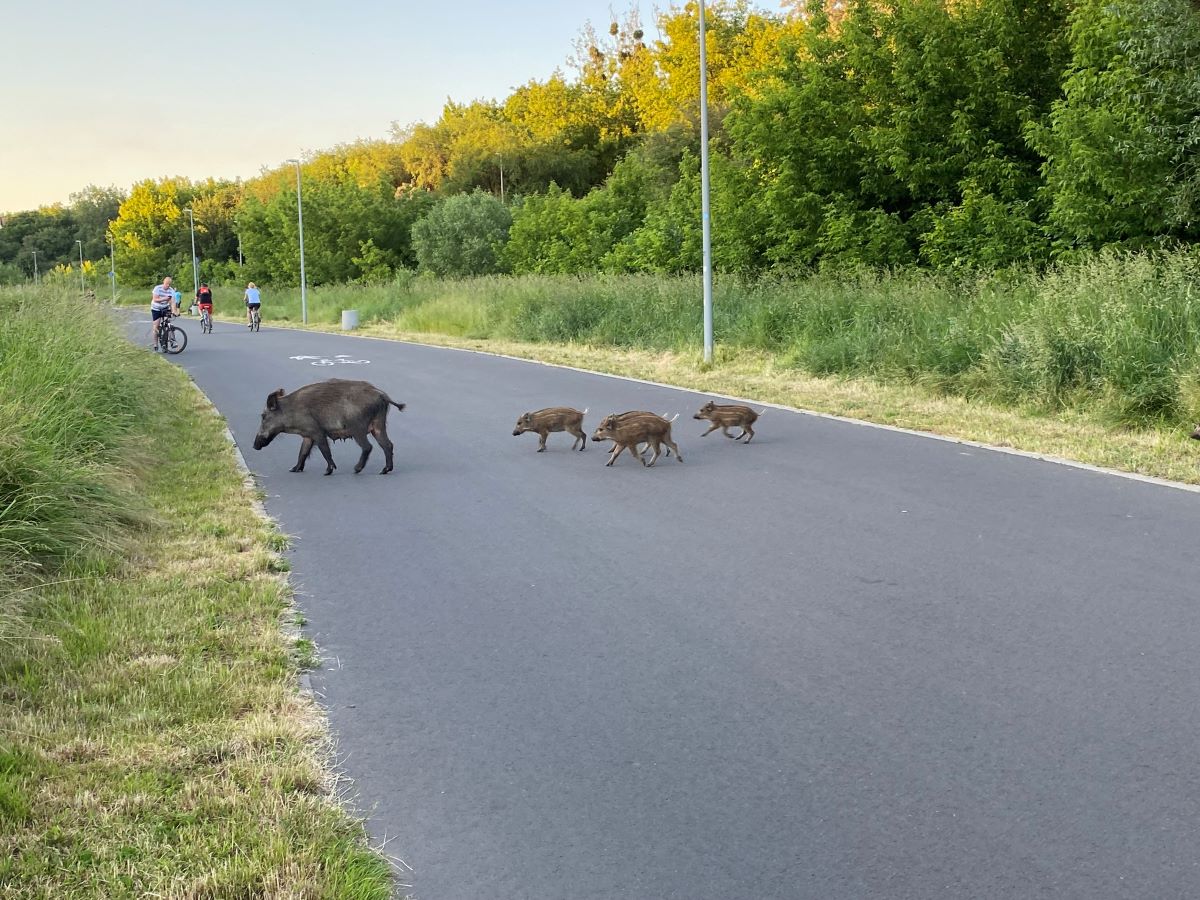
162	300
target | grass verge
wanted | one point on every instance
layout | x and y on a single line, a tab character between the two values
154	739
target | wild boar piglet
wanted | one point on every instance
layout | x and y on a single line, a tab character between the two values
731	414
627	430
641	448
553	418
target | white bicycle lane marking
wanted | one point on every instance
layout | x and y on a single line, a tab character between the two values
342	359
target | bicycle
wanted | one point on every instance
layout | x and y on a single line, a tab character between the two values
255	318
205	321
171	338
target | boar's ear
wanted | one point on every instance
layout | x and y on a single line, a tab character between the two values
273	399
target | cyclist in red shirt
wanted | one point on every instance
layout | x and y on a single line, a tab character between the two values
204	298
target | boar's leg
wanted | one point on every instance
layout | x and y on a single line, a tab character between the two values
670	443
306	446
711	428
361	440
542	435
747	433
385	442
579	436
657	452
616	451
725	431
323	446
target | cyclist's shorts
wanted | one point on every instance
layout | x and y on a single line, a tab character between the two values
254	305
156	314
206	306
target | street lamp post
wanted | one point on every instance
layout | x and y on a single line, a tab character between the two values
82	289
706	223
35	268
112	266
195	274
300	220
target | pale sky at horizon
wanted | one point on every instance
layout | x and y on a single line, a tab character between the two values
111	94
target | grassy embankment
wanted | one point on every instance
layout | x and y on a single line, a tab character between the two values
153	739
1098	361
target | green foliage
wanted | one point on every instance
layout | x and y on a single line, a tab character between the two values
961	134
548	235
151	231
375	266
1121	145
65	424
341	216
462	235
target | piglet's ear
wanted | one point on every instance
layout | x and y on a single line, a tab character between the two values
273	399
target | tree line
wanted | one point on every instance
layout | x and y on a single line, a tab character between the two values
850	134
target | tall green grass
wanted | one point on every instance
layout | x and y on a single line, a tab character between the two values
1116	334
70	403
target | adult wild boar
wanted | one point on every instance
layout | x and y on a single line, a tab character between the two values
554	418
335	409
1196	433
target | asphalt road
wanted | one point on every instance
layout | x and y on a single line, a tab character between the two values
839	662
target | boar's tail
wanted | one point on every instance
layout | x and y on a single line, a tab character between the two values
585	409
399	406
763	410
673	418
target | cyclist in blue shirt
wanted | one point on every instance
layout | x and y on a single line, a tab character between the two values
253	302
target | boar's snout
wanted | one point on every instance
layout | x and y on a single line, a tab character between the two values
516	431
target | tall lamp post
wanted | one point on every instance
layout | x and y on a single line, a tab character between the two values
706	224
35	268
300	220
195	274
82	289
112	265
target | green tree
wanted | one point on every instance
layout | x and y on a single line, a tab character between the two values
151	232
1123	144
547	235
341	215
462	235
94	209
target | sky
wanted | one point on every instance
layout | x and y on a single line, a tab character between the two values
111	94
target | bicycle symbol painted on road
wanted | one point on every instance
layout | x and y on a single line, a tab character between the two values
342	359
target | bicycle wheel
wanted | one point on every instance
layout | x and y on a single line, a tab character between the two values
176	340
257	320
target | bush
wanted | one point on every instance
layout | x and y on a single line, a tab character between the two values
462	235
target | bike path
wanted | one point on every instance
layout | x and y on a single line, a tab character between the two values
839	662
